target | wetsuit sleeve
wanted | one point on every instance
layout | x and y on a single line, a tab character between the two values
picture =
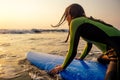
72	51
86	50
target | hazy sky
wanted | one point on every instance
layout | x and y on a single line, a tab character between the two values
27	14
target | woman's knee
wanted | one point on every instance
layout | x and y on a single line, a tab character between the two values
103	59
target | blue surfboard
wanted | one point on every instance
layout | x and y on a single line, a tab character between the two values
77	70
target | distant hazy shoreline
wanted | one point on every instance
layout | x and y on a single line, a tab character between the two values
17	31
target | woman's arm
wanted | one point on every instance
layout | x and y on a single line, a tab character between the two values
86	51
74	40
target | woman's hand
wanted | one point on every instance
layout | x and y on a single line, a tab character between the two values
56	70
78	58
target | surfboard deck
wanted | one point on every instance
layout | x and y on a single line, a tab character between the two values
77	70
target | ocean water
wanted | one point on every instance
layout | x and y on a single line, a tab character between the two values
14	47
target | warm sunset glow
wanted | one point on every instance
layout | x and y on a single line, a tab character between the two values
27	14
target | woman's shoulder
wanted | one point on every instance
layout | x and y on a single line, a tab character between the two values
78	21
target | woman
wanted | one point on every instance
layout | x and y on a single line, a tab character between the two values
99	33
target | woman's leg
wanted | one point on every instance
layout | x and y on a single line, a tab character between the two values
118	64
111	73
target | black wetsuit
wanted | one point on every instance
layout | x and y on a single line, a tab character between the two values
105	37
